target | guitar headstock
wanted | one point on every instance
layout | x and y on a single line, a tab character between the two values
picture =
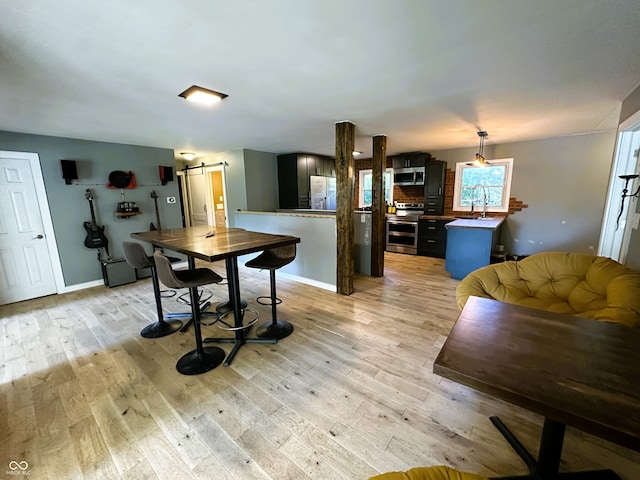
88	195
154	194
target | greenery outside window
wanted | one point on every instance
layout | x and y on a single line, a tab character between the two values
365	194
496	179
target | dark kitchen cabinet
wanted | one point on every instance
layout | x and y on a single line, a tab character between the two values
325	166
432	237
434	187
294	170
407	160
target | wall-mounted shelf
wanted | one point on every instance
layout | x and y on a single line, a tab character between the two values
127	214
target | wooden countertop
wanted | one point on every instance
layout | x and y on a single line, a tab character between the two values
447	218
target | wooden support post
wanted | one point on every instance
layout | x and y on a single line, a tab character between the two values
378	210
345	185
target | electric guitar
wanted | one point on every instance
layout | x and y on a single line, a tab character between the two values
95	233
154	195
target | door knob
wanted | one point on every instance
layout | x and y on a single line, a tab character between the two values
38	237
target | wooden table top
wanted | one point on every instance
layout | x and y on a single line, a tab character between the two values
226	243
577	371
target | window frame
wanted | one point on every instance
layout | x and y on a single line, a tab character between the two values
506	185
361	175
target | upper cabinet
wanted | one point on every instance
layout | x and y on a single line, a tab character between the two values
325	166
406	160
294	170
434	187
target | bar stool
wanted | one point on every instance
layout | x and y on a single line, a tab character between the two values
272	260
136	257
202	359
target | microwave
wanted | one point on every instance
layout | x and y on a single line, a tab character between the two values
408	176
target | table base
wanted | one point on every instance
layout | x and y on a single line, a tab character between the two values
226	307
188	323
238	342
548	463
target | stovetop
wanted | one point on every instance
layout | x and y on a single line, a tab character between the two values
413	210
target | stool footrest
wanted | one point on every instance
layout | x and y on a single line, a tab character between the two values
266	300
233	328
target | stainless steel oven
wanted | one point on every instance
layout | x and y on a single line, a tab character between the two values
402	228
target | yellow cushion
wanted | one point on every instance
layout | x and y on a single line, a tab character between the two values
572	283
428	473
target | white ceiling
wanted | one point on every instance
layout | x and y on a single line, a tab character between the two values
428	74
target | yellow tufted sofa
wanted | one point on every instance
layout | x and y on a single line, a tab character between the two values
572	283
428	473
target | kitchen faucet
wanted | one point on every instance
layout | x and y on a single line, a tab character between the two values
484	199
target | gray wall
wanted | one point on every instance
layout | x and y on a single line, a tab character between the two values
251	180
630	106
69	208
563	181
261	175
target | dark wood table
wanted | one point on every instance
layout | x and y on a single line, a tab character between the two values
225	244
573	371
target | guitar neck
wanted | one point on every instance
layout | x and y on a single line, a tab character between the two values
155	203
93	214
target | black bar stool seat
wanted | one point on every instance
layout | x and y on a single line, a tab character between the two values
202	359
272	260
136	257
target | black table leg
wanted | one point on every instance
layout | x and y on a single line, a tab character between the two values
240	337
548	463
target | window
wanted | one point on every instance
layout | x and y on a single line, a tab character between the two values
496	180
365	196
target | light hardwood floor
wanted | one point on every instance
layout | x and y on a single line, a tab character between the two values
349	394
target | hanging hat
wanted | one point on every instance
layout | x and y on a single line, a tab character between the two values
120	179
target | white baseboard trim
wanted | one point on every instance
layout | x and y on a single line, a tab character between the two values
81	286
295	278
308	281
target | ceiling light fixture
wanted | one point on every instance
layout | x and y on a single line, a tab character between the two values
188	156
480	161
356	153
202	95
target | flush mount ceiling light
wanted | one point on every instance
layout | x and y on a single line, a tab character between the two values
356	153
480	160
202	95
188	155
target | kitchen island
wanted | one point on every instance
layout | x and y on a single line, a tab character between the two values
470	243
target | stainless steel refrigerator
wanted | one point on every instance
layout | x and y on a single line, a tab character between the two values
323	192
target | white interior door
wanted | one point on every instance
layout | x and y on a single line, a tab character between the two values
25	262
203	196
616	227
197	197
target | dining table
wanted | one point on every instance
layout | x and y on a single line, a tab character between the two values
212	244
572	371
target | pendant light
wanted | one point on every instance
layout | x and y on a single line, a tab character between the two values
480	160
